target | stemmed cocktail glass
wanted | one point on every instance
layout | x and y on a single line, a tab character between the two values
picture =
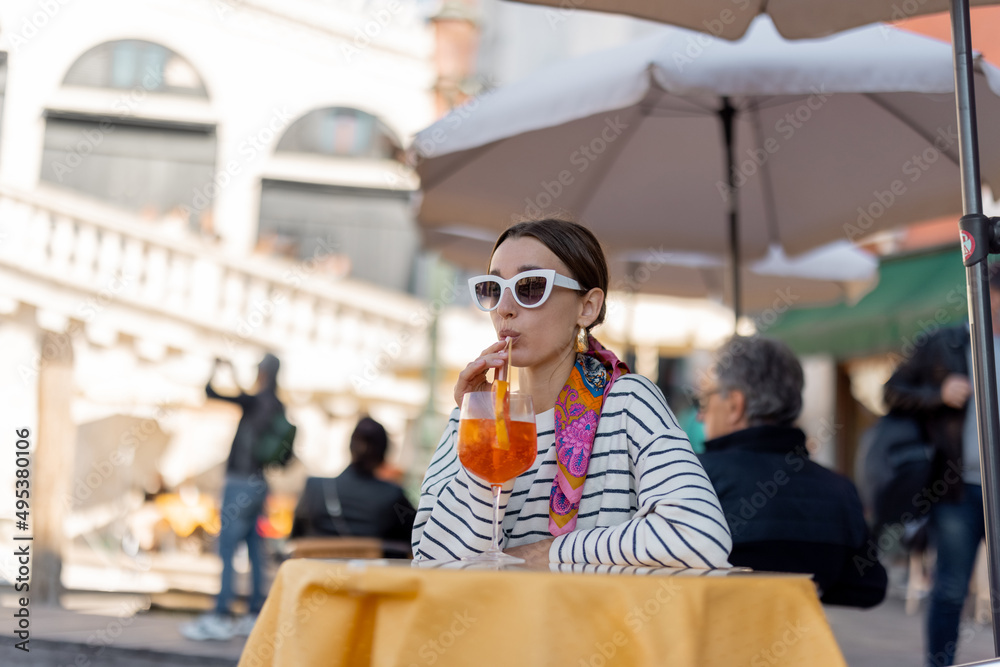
497	442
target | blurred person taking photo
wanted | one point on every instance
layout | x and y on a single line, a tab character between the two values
356	503
786	512
933	386
243	498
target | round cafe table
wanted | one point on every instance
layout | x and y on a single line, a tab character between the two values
386	613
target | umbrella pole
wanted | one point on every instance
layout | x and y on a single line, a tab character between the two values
975	227
727	115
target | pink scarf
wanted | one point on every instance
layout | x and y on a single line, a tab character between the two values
577	411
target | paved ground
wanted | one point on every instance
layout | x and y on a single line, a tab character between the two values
886	637
110	631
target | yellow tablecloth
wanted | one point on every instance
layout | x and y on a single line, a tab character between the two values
370	613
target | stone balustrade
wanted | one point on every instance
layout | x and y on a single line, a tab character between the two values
88	264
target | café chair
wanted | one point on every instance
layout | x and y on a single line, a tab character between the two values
334	547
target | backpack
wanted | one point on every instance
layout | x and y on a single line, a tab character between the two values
897	467
275	443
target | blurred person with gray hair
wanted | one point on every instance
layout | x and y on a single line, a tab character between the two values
786	512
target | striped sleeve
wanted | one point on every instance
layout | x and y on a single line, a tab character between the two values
455	515
678	522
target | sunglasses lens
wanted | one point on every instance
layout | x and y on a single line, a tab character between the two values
530	290
488	294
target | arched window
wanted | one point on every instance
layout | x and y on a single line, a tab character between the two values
341	132
370	224
137	156
135	63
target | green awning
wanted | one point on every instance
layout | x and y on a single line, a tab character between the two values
916	294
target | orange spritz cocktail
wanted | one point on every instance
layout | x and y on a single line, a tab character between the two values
479	452
496	442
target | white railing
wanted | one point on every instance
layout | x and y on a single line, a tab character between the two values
104	257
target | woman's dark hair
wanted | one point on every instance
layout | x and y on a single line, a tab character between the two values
574	245
369	443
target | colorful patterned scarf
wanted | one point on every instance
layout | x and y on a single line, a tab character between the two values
577	412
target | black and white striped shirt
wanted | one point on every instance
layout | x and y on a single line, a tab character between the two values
646	501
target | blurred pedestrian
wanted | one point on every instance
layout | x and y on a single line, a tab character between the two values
786	512
933	385
356	503
242	503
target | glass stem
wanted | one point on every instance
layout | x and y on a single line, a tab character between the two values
496	517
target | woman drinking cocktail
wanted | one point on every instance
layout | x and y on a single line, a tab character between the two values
615	480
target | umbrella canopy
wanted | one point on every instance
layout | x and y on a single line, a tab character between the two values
825	275
834	138
828	274
794	19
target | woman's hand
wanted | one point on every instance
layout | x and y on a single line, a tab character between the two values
536	553
473	378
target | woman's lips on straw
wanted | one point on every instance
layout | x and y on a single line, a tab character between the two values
513	335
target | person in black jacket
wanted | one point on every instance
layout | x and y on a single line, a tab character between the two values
933	385
356	503
242	503
786	512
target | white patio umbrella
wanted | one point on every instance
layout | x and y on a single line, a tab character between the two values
795	19
830	139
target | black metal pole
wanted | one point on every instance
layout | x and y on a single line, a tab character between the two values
727	115
976	252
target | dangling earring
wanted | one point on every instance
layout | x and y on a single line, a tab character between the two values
582	344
